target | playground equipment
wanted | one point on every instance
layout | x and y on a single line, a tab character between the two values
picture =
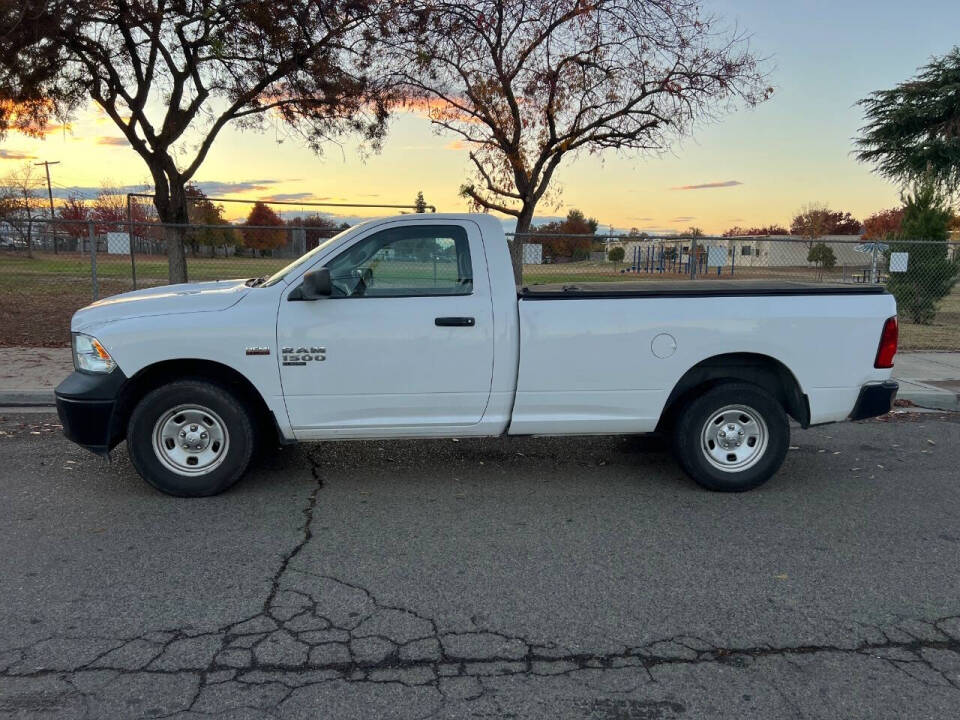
674	258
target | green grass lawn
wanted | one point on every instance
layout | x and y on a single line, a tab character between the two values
942	334
149	267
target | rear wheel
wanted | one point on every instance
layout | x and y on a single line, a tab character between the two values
190	438
732	438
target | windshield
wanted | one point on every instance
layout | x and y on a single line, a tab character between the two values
303	259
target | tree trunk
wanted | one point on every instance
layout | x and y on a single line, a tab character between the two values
172	210
524	219
176	257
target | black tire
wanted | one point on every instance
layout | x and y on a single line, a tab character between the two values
229	421
695	443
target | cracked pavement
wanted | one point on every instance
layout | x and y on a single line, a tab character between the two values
519	578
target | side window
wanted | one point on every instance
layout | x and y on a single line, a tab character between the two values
411	260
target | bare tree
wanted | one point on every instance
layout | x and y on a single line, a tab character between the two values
526	84
171	75
21	202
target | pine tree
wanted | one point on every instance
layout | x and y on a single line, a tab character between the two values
930	273
911	130
420	203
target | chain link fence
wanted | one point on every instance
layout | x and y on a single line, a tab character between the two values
49	269
921	274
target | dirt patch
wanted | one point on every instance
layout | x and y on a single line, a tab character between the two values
41	316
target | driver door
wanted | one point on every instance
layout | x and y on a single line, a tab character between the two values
404	345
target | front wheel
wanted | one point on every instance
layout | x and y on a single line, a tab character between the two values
190	438
732	438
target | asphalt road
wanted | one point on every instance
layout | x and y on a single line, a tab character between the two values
533	578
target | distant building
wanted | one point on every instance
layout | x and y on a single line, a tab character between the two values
759	251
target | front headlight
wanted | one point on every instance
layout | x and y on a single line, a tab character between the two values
90	356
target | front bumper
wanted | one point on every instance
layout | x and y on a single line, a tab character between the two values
86	404
875	400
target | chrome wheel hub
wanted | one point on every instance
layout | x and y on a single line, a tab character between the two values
190	440
734	438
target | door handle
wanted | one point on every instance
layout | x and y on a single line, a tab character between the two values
454	322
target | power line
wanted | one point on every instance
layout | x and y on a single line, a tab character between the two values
75	190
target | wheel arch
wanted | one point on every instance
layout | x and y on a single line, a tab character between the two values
165	371
756	368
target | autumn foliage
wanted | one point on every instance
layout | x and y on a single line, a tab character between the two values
317	228
559	238
883	224
75	212
819	220
256	234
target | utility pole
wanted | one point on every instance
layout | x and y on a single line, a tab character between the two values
53	234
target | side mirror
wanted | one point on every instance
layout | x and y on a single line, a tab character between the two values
315	285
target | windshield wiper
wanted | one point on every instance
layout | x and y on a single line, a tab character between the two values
254	282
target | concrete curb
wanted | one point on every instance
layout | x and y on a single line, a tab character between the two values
927	396
27	398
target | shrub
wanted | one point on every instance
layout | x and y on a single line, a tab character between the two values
616	255
930	274
823	255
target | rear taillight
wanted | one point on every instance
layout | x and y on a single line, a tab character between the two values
888	344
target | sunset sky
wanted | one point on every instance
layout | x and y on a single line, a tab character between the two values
753	167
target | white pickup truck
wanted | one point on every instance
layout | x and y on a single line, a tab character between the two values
413	327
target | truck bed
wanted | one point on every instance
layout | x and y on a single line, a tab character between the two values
693	288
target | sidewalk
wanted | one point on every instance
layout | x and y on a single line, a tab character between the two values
28	376
930	380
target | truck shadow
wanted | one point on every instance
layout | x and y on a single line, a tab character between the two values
645	458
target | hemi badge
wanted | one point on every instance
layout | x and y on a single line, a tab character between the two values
258	351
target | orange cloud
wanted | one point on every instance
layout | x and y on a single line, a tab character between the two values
455	145
111	140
